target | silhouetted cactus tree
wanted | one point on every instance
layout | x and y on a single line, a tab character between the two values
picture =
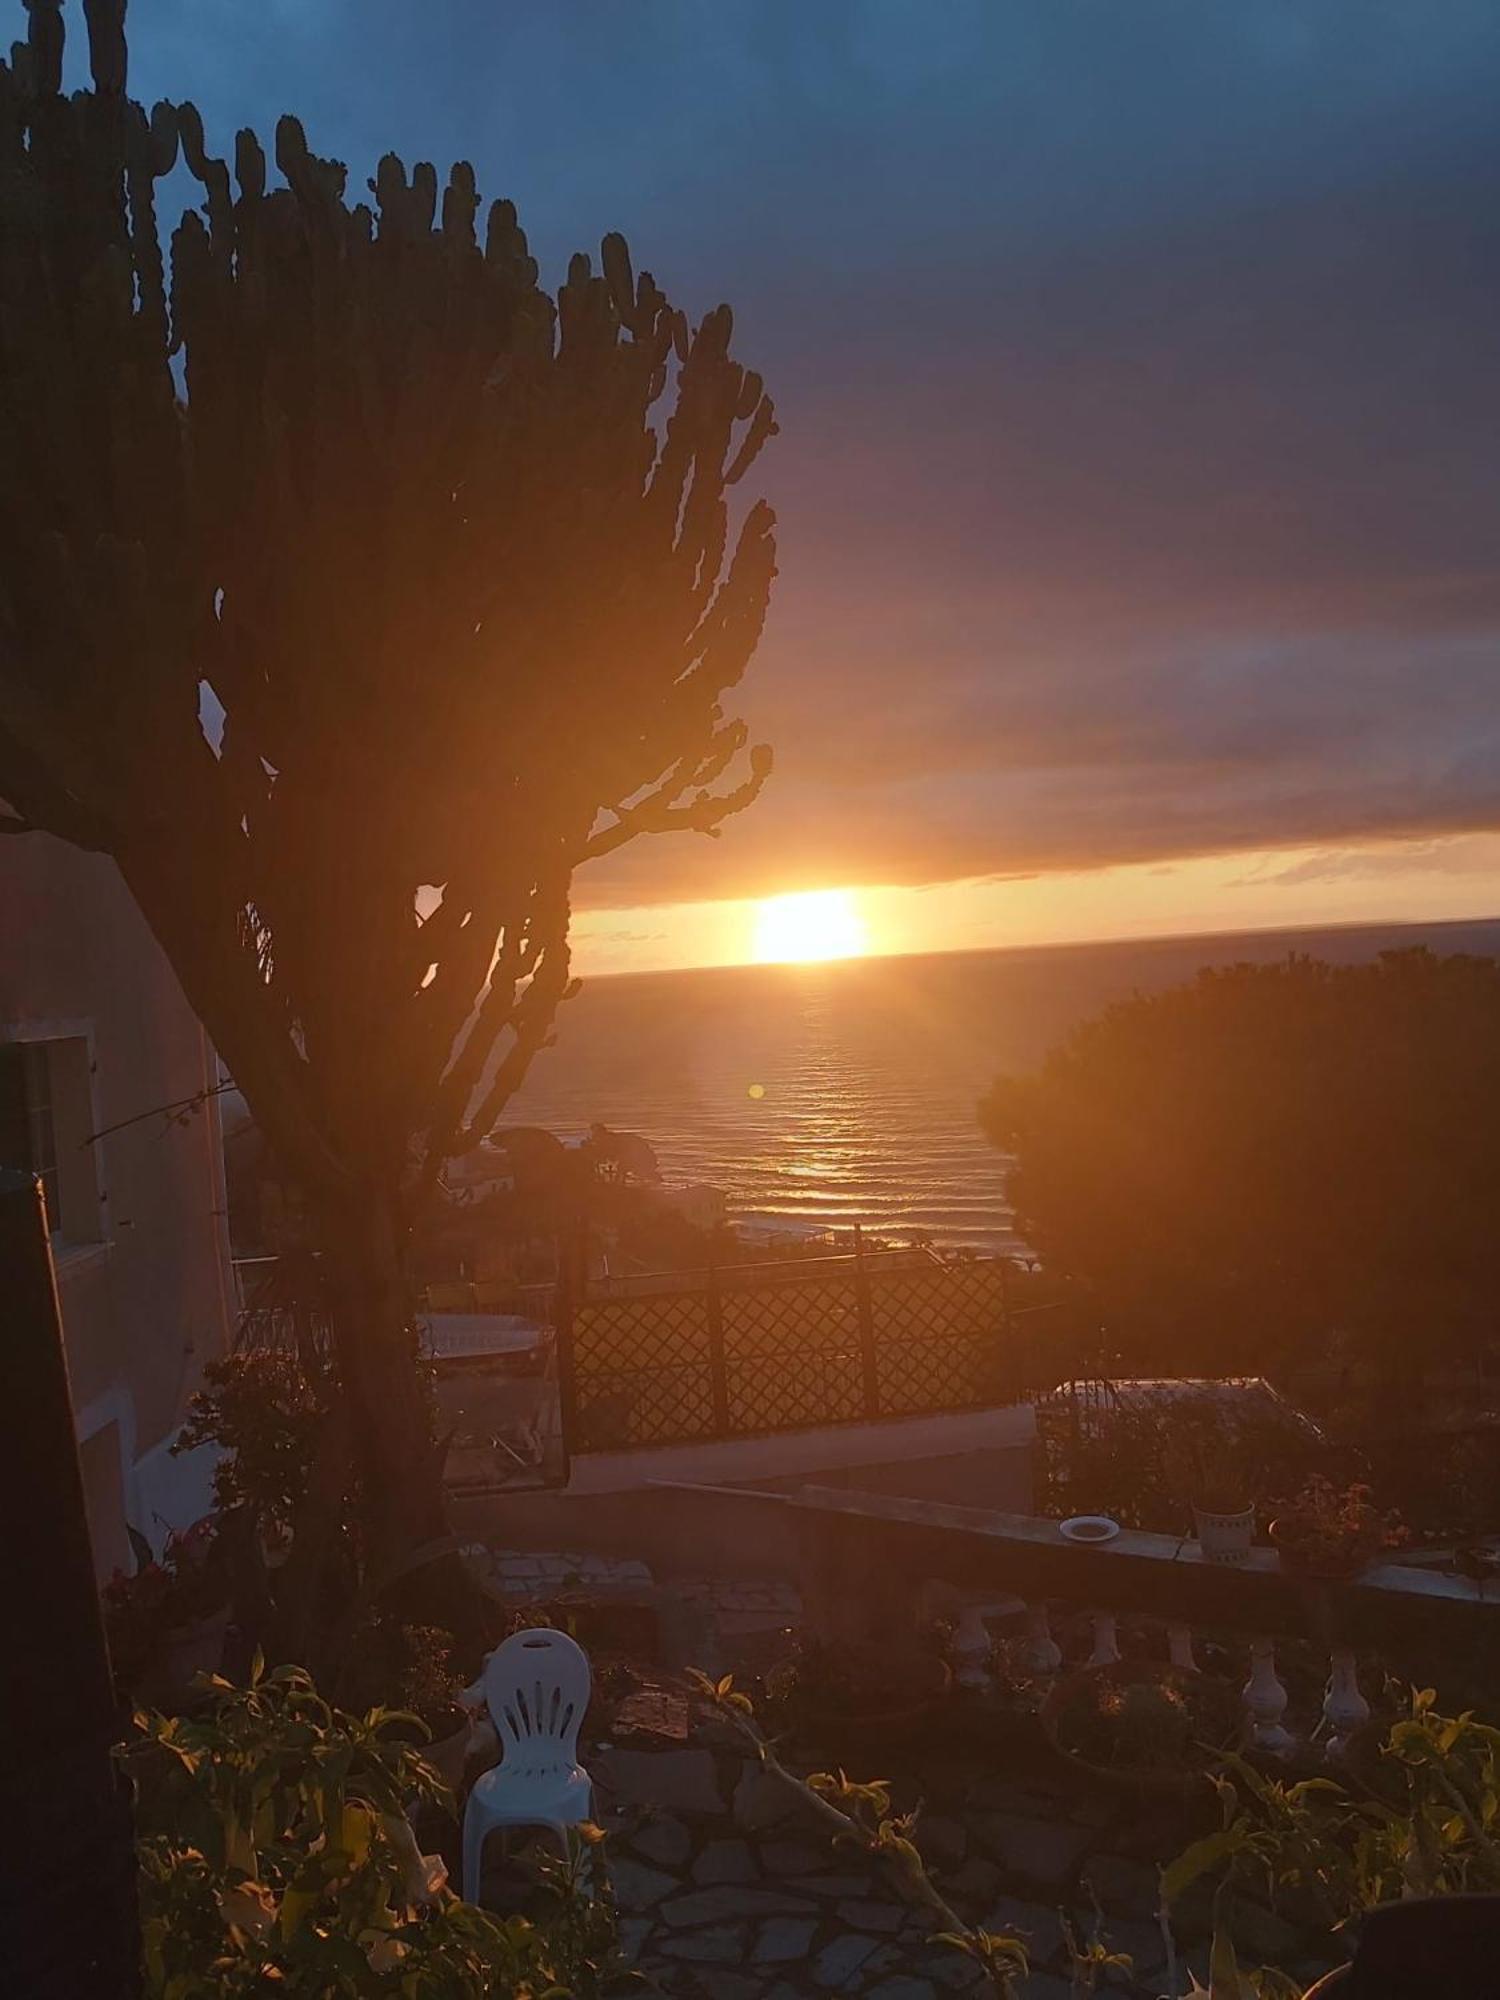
468	617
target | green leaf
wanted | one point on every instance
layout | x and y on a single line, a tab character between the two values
1194	1862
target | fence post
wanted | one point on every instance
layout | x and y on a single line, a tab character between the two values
717	1374
869	1371
567	1373
1013	1360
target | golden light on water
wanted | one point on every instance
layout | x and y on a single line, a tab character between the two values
813	924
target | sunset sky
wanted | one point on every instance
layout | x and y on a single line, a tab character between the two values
1138	485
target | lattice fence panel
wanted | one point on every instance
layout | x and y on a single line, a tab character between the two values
668	1367
939	1339
641	1371
792	1356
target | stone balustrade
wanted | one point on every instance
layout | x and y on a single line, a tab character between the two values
868	1563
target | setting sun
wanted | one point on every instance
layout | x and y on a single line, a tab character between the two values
818	923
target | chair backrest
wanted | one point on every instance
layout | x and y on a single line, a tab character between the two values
536	1687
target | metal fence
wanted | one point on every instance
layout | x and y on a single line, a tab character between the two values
720	1358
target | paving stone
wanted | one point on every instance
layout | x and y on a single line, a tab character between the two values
1122	1884
838	1961
978	1878
665	1841
941	1842
1045	1852
714	1906
782	1991
718	1984
1045	1986
1139	1939
762	1801
792	1857
903	1987
836	1885
725	1861
889	1958
631	1933
1034	1924
719	1947
1156	1834
674	1781
638	1887
873	1916
955	1970
783	1938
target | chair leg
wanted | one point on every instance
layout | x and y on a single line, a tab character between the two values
476	1826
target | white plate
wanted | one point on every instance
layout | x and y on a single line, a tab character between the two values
1092	1528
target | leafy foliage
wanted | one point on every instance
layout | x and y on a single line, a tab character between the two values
141	1612
1162	1722
260	1409
1428	1826
1268	1152
276	1856
1147	1465
1325	1527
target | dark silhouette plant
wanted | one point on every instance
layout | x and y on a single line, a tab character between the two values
350	598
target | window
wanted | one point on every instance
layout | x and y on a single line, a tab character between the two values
44	1126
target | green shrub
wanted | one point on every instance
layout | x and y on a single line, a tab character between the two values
1426	1824
276	1857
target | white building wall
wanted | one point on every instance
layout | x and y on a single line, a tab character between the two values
142	1252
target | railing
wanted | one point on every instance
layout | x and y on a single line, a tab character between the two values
726	1357
283	1306
867	1559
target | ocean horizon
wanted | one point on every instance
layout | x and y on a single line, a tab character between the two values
820	1096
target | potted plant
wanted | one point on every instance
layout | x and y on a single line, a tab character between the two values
1333	1533
851	1698
1218	1487
167	1622
1140	1726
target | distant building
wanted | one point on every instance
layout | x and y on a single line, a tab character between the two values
95	1034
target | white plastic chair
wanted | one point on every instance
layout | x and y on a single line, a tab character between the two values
536	1687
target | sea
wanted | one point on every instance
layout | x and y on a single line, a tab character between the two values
817	1097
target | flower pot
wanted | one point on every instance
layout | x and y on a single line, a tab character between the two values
1167	1781
194	1649
1224	1537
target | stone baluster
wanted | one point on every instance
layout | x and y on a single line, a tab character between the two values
1106	1642
970	1649
1043	1654
1266	1698
1180	1648
1344	1707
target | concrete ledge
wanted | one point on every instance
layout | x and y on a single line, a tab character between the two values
802	1455
864	1542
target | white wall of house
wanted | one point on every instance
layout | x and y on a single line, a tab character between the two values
94	1031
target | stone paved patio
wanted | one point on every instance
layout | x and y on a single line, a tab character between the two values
729	1888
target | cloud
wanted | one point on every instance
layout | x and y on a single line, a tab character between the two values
1137	483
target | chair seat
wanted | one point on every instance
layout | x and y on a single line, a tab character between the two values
561	1796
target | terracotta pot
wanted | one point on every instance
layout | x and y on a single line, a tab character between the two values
1224	1537
1171	1781
194	1649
